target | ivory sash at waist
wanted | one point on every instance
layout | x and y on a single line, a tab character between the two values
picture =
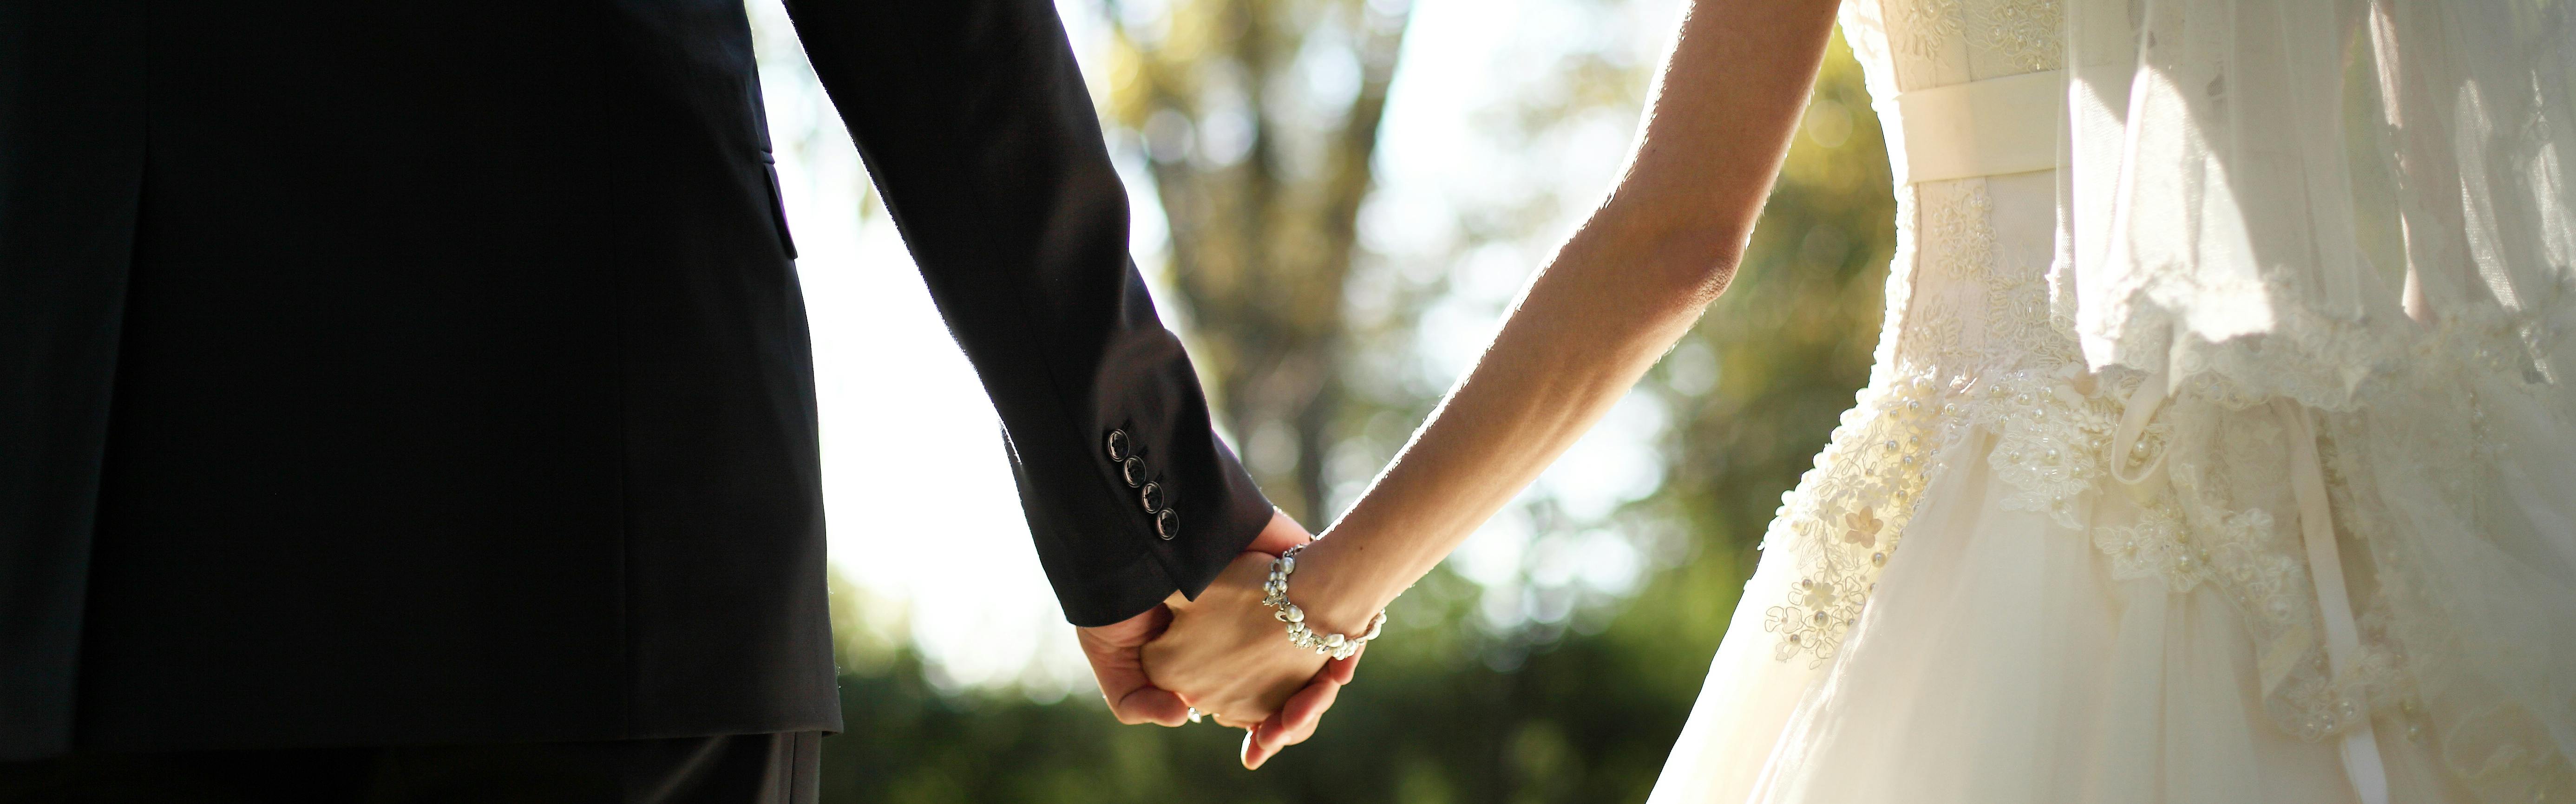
1982	128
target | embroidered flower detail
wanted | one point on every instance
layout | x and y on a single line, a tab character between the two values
1809	624
1861	528
2027	34
1924	27
1815	594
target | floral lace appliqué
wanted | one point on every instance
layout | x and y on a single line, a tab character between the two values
2024	35
1924	27
1848	514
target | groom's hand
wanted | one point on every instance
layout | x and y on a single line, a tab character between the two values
1117	662
1226	654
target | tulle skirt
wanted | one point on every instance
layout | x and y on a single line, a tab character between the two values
1999	660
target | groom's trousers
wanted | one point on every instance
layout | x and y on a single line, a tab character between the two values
729	769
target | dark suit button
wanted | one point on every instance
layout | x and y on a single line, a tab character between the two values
1152	496
1167	524
1133	470
1118	446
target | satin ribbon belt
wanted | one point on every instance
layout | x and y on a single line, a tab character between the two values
2362	764
1981	128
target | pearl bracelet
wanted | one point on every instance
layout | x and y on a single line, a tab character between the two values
1275	595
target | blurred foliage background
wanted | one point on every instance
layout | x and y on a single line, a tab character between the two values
1557	663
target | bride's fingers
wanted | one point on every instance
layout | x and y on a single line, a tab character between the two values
1298	720
1295	722
1253	753
1341	671
1305	709
1232	723
1261	741
1298	717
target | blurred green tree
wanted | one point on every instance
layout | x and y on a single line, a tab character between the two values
1260	123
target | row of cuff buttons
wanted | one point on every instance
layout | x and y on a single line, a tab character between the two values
1131	468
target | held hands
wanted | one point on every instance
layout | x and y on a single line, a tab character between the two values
1226	655
1223	653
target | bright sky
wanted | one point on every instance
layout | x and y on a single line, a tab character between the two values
919	498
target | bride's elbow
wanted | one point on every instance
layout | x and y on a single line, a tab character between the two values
1697	265
1669	253
1712	279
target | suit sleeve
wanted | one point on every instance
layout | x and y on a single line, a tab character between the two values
979	133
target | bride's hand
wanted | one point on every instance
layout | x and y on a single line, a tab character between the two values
1228	657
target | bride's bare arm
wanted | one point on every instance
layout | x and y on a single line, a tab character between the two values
1617	294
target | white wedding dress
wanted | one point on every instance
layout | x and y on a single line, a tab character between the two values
2141	505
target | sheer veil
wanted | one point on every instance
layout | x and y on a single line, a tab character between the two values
2360	211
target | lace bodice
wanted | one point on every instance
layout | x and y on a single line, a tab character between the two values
1977	369
1920	44
1967	319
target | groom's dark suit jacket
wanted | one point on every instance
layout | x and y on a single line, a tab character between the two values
435	370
